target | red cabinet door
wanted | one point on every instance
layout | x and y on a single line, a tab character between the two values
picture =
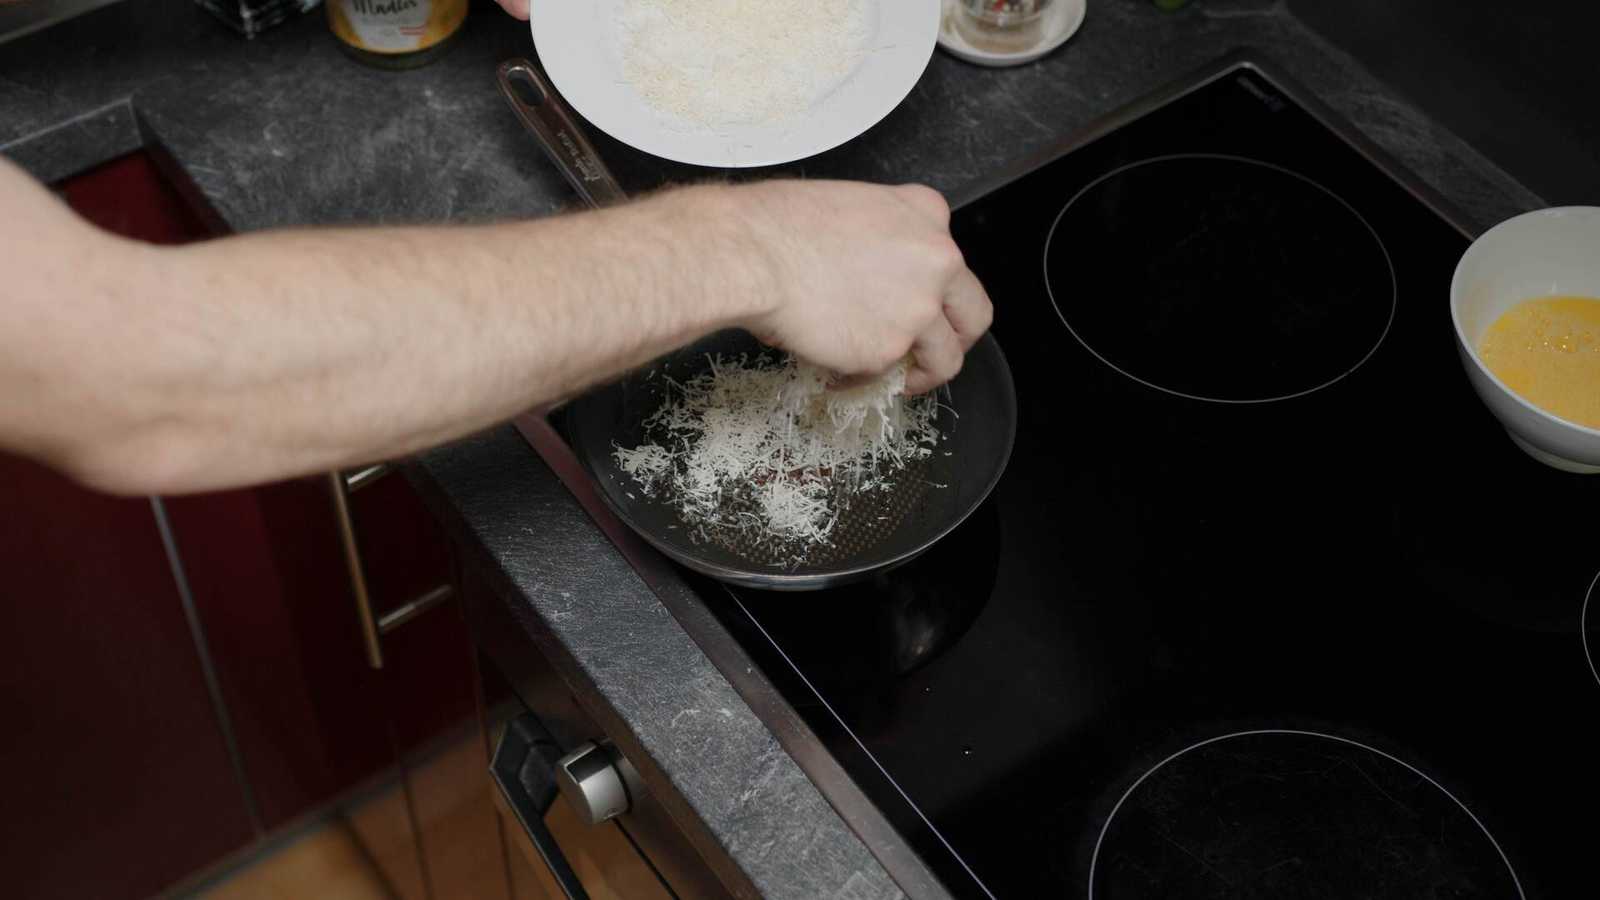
271	587
115	768
116	778
271	591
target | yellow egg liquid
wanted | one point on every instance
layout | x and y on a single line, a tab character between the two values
1548	350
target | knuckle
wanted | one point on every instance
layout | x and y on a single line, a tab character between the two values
949	254
953	366
896	352
928	199
878	356
985	315
918	310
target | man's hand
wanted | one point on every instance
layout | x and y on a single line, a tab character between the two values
860	275
517	8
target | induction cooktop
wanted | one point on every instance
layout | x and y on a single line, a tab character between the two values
1266	605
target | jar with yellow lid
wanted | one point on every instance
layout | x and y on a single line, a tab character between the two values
396	34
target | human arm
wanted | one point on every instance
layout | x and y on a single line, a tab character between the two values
147	369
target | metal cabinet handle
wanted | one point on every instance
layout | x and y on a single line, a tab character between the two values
524	770
412	609
373	627
360	478
370	634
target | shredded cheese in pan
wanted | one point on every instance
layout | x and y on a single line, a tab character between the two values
760	451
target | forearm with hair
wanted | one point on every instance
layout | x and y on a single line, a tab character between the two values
276	354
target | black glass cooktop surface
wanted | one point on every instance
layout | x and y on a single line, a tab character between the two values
1266	605
1219	277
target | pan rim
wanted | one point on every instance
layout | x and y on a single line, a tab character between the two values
786	582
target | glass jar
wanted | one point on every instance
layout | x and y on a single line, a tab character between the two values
1002	26
396	34
252	17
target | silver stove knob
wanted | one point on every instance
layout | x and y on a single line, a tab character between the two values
596	781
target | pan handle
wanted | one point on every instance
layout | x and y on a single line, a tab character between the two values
549	120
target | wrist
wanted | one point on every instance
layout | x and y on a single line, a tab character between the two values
736	250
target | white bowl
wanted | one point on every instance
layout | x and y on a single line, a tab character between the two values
1537	254
577	46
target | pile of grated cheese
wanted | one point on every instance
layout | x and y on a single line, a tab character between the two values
716	63
761	453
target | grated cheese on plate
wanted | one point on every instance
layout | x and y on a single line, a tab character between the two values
760	452
718	63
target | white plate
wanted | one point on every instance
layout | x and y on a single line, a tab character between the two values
577	44
1062	20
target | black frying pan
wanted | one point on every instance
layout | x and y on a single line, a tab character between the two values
878	531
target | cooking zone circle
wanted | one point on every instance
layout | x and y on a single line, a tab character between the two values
1583	626
1283	813
1219	278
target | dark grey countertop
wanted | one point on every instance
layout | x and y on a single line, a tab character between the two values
288	131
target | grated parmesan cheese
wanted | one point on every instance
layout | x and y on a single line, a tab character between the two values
761	452
717	63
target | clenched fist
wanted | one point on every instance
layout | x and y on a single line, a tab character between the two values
862	274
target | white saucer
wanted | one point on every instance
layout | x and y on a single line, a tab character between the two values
1061	21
